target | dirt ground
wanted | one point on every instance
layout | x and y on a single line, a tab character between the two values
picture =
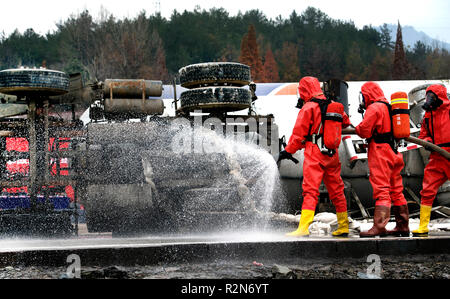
408	267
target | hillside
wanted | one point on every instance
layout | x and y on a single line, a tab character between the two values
411	36
281	50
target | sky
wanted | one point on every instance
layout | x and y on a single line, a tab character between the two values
432	17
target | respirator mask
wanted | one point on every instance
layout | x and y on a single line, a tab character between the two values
300	101
432	102
362	103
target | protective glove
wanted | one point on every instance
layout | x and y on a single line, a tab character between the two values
285	155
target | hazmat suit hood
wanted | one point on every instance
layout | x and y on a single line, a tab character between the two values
309	88
440	91
436	96
372	92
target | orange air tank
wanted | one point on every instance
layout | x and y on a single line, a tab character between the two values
333	125
400	115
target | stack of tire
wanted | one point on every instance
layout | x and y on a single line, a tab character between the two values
36	82
215	87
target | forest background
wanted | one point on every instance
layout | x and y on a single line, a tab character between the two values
281	50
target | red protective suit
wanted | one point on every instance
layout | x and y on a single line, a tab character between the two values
384	164
436	129
316	166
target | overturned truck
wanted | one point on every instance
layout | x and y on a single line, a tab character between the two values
133	169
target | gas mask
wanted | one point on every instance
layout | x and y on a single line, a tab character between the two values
432	102
300	101
362	104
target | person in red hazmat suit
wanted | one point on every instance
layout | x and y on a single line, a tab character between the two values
385	163
317	166
435	129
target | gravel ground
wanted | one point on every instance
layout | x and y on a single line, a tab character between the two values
409	267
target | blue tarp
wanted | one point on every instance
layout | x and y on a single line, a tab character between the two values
10	202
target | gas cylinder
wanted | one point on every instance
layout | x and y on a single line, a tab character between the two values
400	115
132	88
333	125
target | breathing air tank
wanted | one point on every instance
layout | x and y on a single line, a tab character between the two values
333	125
400	115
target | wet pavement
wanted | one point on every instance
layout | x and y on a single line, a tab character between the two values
86	240
263	254
225	255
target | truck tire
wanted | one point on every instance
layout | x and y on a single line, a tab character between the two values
216	99
37	81
214	73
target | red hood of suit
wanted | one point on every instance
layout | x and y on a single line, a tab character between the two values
440	91
372	92
309	88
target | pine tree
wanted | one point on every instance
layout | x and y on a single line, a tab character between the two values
229	53
270	67
289	62
385	34
400	67
245	56
379	68
159	56
354	63
250	55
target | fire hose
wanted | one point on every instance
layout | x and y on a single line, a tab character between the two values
427	145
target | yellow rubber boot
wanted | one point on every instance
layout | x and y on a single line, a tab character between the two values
425	213
306	219
342	230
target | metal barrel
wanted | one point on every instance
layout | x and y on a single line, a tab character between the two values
132	88
136	106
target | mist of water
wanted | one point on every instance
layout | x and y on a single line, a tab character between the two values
247	184
158	178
